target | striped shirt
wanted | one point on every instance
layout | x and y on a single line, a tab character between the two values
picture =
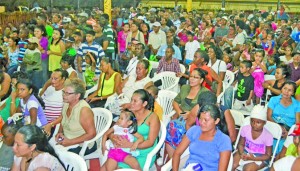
108	31
22	49
94	48
53	103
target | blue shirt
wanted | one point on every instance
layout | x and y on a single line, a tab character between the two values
22	49
282	114
163	48
207	153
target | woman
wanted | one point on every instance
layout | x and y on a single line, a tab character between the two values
285	40
12	55
4	84
135	34
66	63
200	139
280	78
295	69
219	66
56	49
287	58
40	33
33	152
77	123
227	40
284	108
108	84
183	103
142	104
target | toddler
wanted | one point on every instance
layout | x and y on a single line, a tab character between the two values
255	144
89	74
126	126
270	44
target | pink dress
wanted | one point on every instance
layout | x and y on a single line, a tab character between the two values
258	75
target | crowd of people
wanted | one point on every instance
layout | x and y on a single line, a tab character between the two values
47	65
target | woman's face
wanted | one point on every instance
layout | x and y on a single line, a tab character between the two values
65	65
104	66
38	33
23	91
8	138
69	94
136	103
195	79
141	71
207	123
144	28
287	91
56	35
278	74
134	27
211	53
11	43
57	79
288	51
231	30
21	149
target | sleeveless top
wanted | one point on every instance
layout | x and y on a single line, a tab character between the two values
71	125
33	103
276	87
54	60
107	86
70	70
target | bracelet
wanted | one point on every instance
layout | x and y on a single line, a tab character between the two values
101	98
52	125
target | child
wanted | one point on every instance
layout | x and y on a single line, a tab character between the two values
9	129
257	71
227	59
190	48
70	50
126	127
22	43
255	144
32	63
122	36
29	105
89	74
158	110
270	44
245	87
271	65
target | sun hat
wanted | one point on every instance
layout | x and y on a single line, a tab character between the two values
259	112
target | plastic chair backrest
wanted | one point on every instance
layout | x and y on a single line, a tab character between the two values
153	64
269	77
71	161
102	119
169	80
228	79
273	128
182	68
165	99
238	117
151	154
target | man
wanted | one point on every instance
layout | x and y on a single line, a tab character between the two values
109	33
222	30
139	54
168	63
42	20
89	46
82	17
162	50
156	38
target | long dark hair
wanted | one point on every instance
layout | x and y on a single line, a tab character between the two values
133	127
61	36
34	135
145	96
215	113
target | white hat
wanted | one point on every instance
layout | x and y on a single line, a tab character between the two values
152	10
225	18
33	40
157	24
83	14
66	20
140	17
259	112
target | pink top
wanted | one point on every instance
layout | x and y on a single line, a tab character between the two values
122	40
259	144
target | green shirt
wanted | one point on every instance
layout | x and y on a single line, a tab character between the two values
292	151
108	31
5	112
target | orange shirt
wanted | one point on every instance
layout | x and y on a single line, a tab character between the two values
208	76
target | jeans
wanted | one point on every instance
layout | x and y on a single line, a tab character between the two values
45	76
228	95
12	69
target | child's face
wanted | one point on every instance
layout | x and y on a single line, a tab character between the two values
296	140
65	65
271	61
8	138
68	44
126	27
243	68
258	57
88	60
226	59
31	46
257	124
23	91
190	38
269	37
123	121
152	93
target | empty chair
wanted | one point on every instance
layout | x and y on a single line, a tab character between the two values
71	161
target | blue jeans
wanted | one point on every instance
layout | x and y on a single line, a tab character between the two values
12	69
45	76
228	95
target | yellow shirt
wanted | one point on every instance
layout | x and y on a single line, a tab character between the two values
108	85
158	110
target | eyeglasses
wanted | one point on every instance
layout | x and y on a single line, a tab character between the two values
68	94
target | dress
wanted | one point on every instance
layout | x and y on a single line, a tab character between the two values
258	75
41	160
199	153
33	103
54	60
143	129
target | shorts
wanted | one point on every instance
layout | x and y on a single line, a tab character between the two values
117	154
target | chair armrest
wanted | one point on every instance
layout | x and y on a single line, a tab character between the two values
167	166
86	143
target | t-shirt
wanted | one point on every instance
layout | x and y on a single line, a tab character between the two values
53	103
218	66
258	145
199	153
191	48
284	114
245	85
292	151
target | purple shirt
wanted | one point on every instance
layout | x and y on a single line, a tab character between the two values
295	73
44	45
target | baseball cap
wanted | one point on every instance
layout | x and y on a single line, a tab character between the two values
296	131
33	40
70	40
259	112
157	24
225	18
66	20
83	14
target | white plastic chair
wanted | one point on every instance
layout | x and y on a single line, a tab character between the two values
182	68
91	90
168	79
72	161
165	100
273	128
154	64
269	77
268	93
238	117
228	79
